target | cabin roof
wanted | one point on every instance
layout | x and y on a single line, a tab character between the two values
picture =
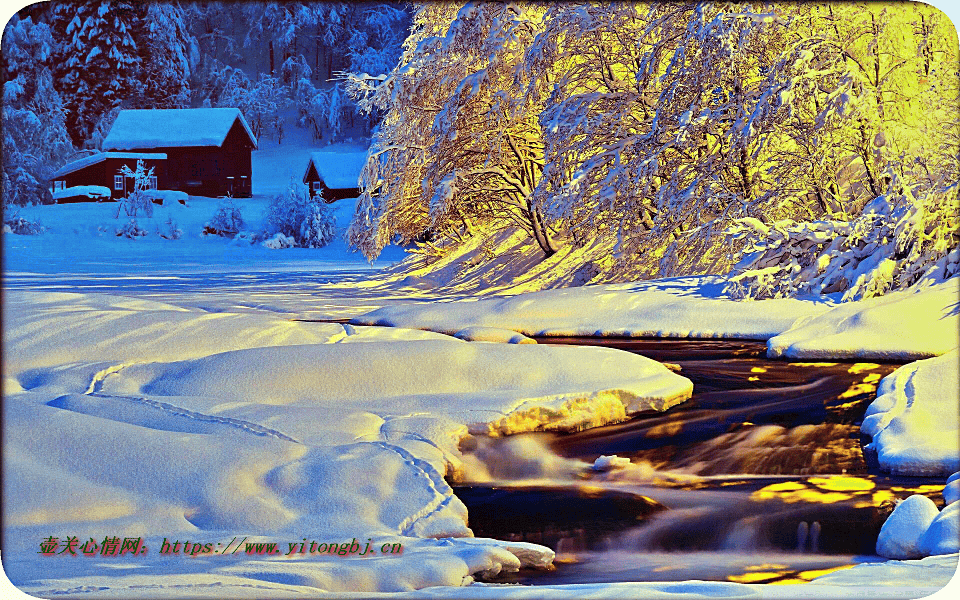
173	128
93	159
338	170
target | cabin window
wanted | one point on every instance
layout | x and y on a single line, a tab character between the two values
316	186
118	182
59	185
152	183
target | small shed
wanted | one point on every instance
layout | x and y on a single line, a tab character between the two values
103	169
334	175
207	149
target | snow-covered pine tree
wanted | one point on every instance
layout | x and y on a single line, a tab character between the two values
97	61
171	53
35	140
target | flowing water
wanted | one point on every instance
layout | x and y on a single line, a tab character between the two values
759	477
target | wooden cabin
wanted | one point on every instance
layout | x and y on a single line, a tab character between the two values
103	169
334	175
207	149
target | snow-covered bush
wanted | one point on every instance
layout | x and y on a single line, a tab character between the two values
20	226
132	230
309	221
896	241
227	220
169	230
279	242
246	237
139	200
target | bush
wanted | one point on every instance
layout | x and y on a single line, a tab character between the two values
898	239
131	230
169	230
227	220
309	221
20	226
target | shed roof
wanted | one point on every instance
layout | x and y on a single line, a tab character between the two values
338	170
173	128
93	159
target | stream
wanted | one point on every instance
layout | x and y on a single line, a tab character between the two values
759	477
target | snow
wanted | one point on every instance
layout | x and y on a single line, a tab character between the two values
899	325
914	422
951	491
492	334
90	191
179	396
942	536
675	307
172	421
901	532
167	197
173	128
337	169
102	156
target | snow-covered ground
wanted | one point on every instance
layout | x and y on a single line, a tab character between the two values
171	389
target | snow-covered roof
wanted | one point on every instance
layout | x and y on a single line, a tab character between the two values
93	159
338	170
173	128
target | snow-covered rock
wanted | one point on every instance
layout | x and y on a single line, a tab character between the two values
951	491
914	421
609	463
492	334
901	533
942	536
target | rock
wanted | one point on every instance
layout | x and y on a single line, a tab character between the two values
900	535
608	463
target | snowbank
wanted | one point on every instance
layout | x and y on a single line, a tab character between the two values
900	325
678	307
492	334
175	423
494	388
914	422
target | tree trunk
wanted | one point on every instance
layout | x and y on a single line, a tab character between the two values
540	232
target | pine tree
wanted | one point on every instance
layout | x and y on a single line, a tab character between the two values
35	140
98	62
167	64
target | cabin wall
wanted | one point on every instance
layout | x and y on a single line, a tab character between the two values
103	172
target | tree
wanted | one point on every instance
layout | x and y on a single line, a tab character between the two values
459	145
35	140
98	63
167	66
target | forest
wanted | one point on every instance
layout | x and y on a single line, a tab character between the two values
800	147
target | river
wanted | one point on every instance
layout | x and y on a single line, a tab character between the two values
759	477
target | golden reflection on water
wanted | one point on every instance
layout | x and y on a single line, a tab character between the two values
837	488
780	576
